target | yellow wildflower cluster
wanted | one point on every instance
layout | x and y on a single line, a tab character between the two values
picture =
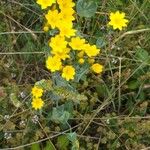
37	102
66	45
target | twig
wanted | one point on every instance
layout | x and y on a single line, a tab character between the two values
129	33
21	53
147	148
21	32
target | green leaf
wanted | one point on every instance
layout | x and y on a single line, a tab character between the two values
68	106
81	72
72	136
86	8
59	81
102	90
62	142
100	42
59	115
44	84
142	54
49	146
70	95
134	84
35	146
14	100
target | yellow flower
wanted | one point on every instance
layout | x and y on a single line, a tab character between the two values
68	72
66	15
67	31
77	43
45	3
53	64
91	50
65	18
58	43
52	18
97	68
64	4
117	20
37	103
81	61
37	92
63	54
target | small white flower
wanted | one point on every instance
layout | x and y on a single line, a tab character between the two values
7	135
6	117
22	123
22	94
35	119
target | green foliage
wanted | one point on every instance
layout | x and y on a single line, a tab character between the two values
49	146
59	115
73	138
86	8
142	55
62	142
70	95
134	84
35	146
44	84
15	100
100	43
